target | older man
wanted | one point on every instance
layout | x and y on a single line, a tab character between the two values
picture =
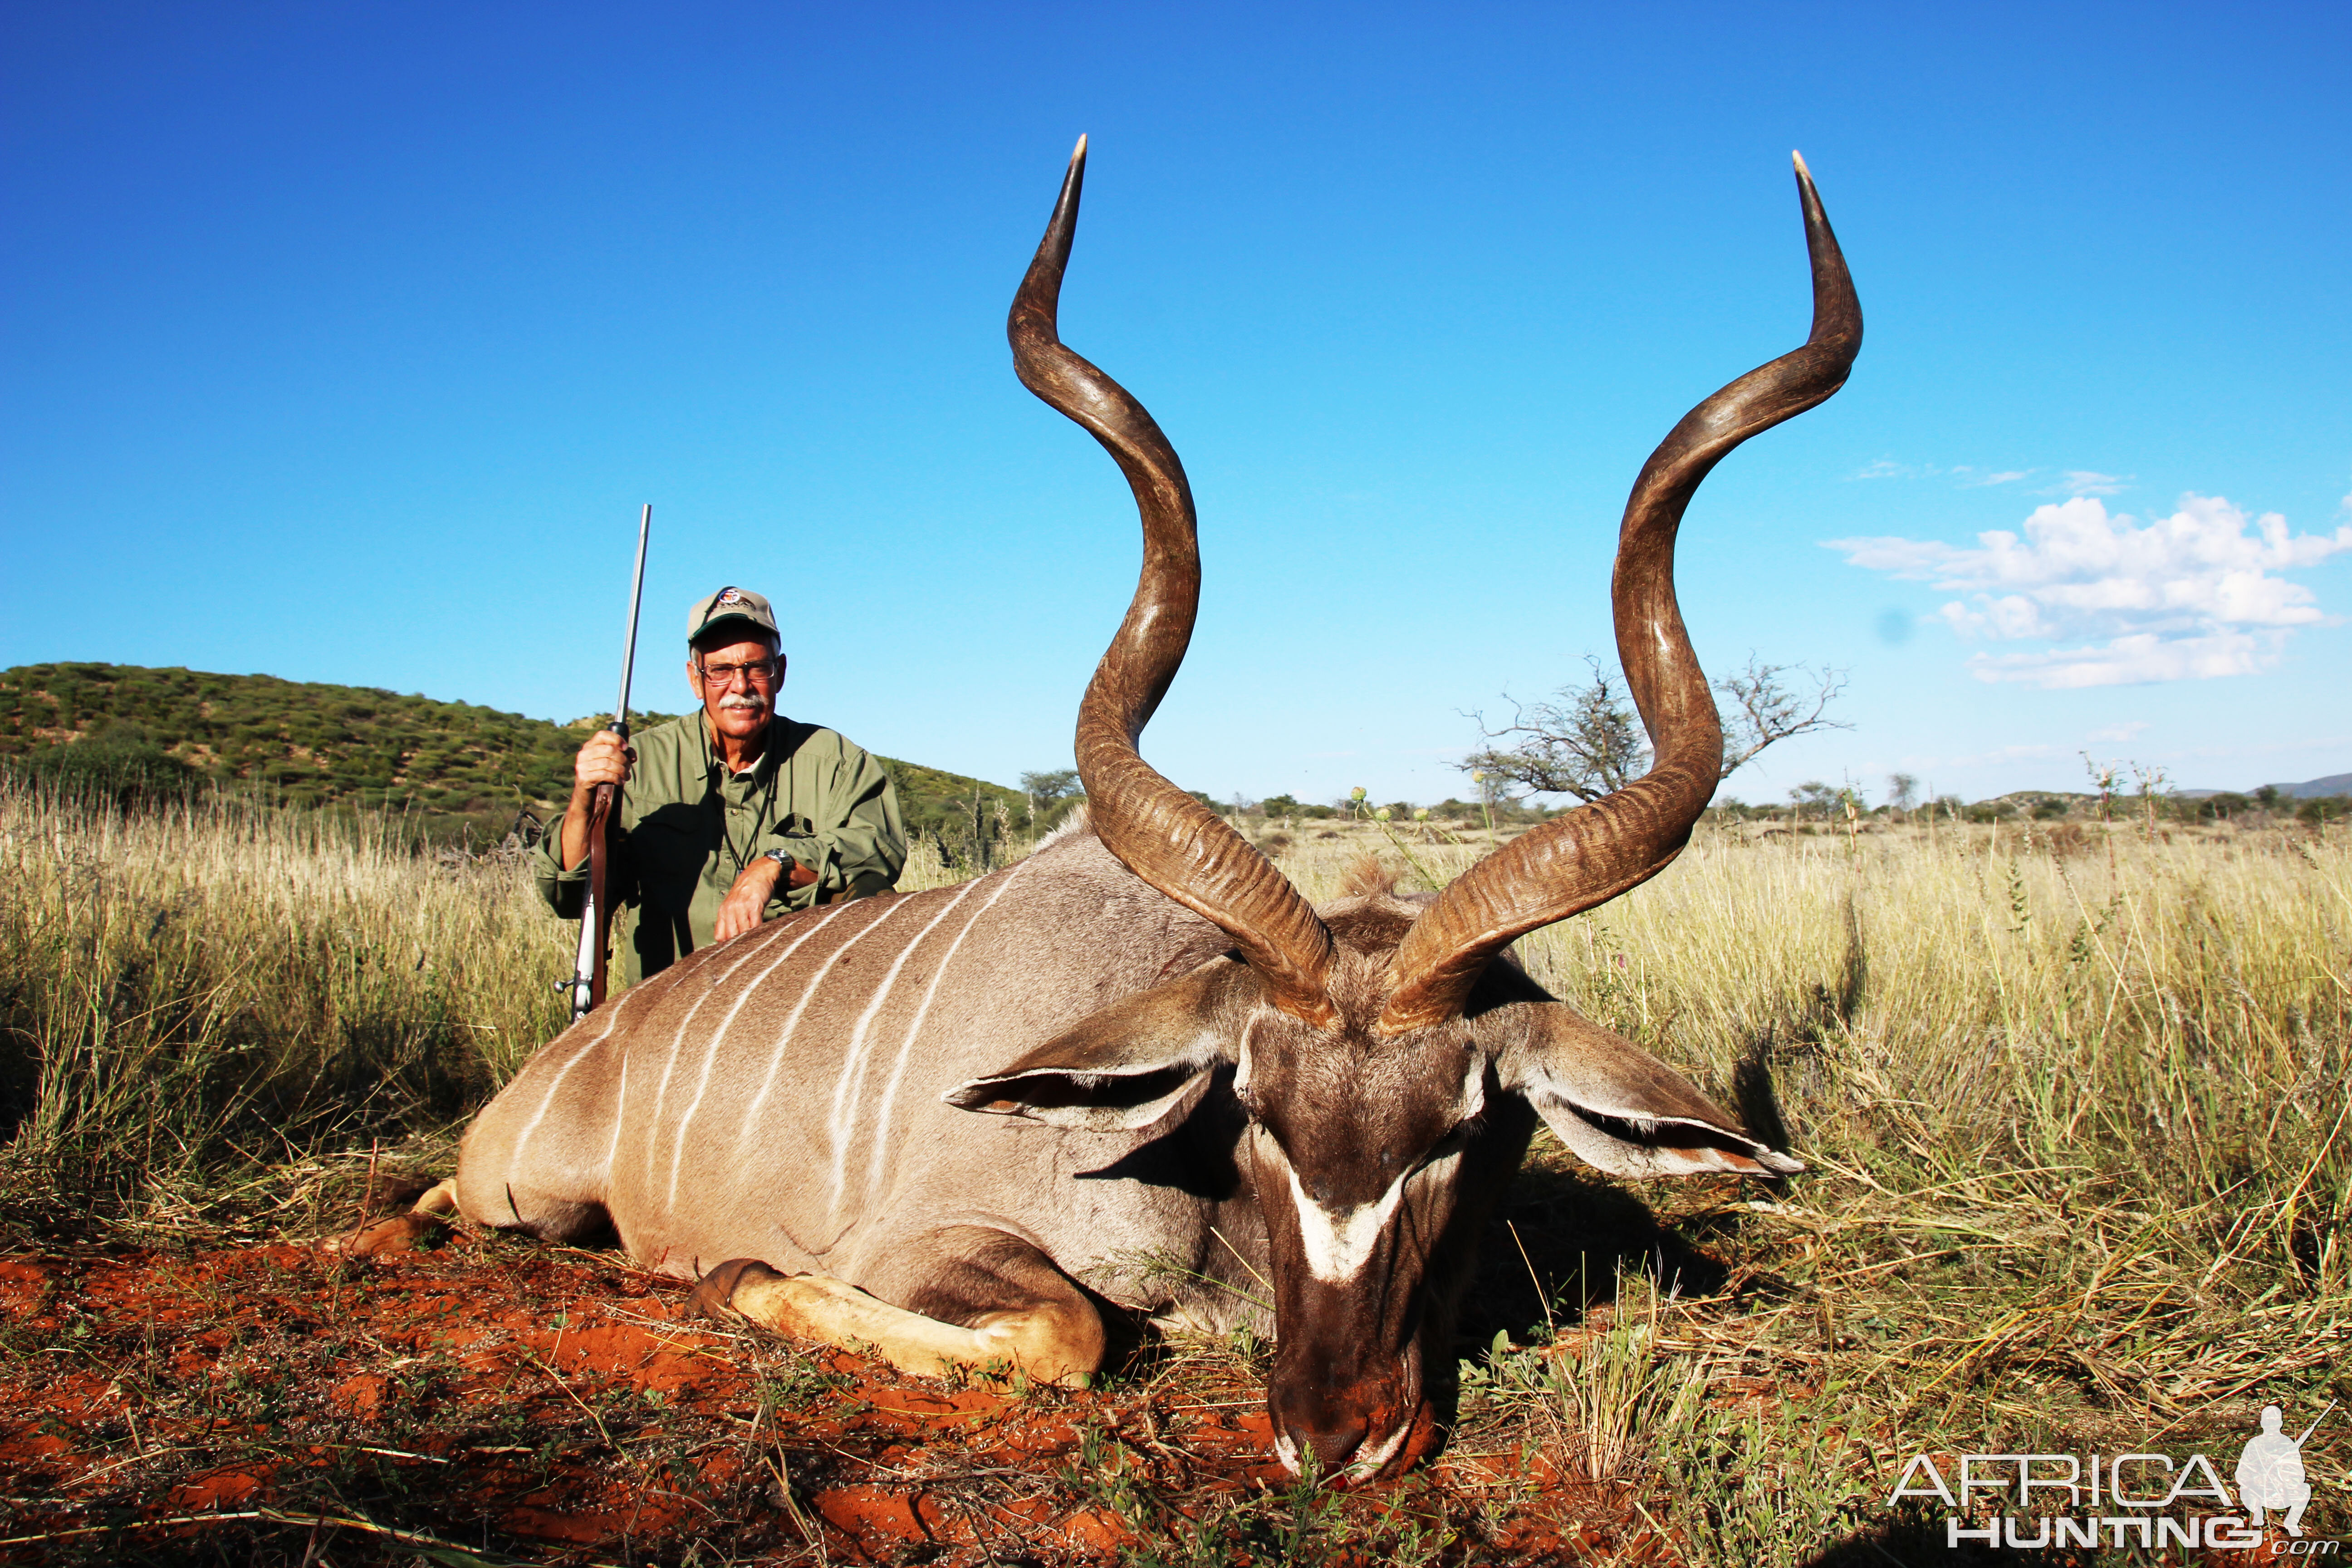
731	815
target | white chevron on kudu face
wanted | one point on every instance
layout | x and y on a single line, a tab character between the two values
1339	1239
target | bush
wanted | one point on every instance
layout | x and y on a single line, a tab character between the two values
118	765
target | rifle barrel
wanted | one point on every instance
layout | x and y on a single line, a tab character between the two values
636	597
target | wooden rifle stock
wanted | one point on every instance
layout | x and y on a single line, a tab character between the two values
602	813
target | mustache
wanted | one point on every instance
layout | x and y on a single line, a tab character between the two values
751	704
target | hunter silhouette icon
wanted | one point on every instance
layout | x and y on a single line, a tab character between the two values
2270	1471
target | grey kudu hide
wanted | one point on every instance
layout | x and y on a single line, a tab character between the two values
1139	1066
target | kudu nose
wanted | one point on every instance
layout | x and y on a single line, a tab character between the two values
1335	1445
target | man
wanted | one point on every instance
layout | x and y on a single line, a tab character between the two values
730	817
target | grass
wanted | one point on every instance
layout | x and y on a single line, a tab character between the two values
2075	1106
200	993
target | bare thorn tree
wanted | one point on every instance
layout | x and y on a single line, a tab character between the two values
1770	711
1587	740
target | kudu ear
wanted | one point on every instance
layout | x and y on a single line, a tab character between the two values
1125	1066
1618	1108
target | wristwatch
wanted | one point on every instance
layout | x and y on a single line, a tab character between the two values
782	858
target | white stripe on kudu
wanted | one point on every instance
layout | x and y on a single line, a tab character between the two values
677	1035
915	1026
840	1132
612	1022
620	1119
825	966
743	994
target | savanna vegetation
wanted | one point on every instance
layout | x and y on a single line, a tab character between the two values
2072	1095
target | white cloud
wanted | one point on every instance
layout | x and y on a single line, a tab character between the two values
1966	475
2186	598
2083	482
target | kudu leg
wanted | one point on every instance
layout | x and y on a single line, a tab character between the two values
985	1298
400	1232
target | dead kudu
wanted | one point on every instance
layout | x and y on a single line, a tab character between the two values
1138	1065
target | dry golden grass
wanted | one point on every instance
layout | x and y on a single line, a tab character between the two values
193	984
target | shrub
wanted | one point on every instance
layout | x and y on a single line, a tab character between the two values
2325	808
118	765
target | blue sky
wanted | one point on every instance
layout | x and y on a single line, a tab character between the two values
344	342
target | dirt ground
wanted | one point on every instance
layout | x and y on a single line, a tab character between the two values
494	1400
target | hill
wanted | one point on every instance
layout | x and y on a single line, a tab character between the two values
316	745
2333	785
2317	789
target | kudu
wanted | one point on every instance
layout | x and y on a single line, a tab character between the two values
1198	1095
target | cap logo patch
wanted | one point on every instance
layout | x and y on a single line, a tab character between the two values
730	597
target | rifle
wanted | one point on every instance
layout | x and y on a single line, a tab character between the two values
587	983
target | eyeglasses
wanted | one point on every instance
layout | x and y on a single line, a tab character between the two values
759	672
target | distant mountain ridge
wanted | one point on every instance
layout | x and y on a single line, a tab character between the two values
2309	789
2314	789
320	744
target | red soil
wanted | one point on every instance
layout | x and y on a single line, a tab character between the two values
513	1400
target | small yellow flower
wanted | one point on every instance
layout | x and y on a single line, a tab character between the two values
1421	814
1382	815
1356	793
1477	775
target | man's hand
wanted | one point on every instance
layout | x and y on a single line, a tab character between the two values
605	759
747	900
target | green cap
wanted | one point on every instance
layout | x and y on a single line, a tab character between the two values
730	604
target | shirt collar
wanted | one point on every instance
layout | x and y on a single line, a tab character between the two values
763	769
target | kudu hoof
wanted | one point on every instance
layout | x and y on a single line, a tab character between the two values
714	1291
401	1233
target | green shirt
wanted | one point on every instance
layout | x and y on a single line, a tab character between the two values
689	828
